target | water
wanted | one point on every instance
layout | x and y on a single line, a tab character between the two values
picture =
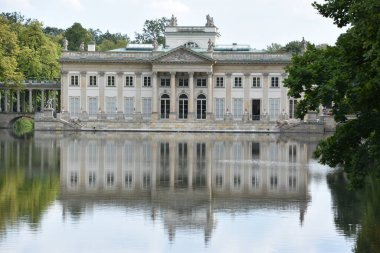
136	192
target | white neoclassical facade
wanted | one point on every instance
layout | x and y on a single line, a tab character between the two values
190	79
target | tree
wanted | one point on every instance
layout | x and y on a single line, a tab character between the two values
275	48
153	30
75	35
9	51
110	44
347	75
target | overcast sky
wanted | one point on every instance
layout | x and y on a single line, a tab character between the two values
255	22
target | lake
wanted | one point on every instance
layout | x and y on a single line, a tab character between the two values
176	192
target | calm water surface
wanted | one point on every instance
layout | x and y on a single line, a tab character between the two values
135	192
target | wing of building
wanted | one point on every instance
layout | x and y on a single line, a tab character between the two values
190	79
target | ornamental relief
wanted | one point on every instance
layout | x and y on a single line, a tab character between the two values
181	56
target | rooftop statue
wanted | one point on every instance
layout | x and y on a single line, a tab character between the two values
65	44
81	47
155	45
173	21
210	21
210	45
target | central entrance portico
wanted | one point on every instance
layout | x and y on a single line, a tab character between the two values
182	75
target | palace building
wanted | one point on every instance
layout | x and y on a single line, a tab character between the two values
190	79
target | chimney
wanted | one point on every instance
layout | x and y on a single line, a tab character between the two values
91	46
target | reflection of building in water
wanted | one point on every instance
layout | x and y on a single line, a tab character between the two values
186	177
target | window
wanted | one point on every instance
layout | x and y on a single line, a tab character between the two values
274	109
183	106
238	82
292	108
92	106
165	106
274	82
219	108
238	108
201	107
256	82
92	81
74	80
147	81
219	82
183	82
111	106
201	82
147	108
111	81
74	106
165	82
129	81
128	107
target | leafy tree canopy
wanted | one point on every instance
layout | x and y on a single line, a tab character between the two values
348	76
76	34
153	30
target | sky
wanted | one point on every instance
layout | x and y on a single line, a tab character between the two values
257	23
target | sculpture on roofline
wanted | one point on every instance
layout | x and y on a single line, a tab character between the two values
210	45
65	44
155	45
173	21
209	20
81	47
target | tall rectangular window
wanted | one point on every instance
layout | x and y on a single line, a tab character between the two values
274	109
147	81
111	106
147	108
201	82
111	81
219	108
74	80
165	82
256	82
129	81
219	82
183	82
93	81
238	82
128	107
92	106
238	108
74	106
274	83
292	108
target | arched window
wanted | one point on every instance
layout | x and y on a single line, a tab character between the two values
165	106
183	106
201	107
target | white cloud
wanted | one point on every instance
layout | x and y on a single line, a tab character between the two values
16	4
168	7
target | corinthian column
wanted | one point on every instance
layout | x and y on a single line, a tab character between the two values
154	97
191	96
173	96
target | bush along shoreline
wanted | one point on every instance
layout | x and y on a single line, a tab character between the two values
23	126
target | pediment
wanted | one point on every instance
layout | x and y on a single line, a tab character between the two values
182	55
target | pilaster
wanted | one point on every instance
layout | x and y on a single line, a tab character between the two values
154	97
190	114
102	83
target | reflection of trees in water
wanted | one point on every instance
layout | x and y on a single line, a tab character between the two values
357	212
23	198
369	235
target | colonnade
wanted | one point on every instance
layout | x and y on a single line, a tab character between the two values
29	100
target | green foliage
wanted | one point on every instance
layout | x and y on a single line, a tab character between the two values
347	75
23	126
76	34
275	48
25	51
25	198
153	30
110	44
9	51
